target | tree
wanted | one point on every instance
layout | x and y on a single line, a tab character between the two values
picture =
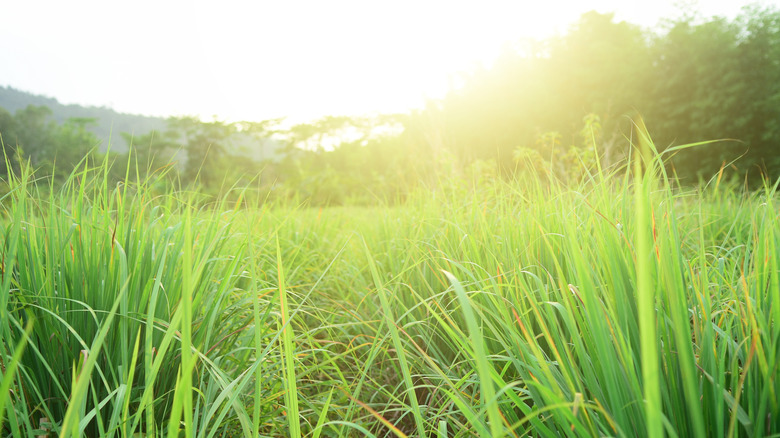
205	145
35	134
73	141
151	152
8	138
759	107
719	79
600	66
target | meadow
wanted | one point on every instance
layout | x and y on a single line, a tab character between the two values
621	305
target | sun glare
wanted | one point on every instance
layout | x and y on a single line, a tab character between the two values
353	57
246	60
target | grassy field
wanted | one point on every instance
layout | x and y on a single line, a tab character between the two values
620	306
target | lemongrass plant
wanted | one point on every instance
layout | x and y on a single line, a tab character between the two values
622	305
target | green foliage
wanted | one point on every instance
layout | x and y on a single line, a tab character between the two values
109	123
714	79
99	273
619	304
54	149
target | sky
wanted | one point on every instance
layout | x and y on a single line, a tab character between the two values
257	60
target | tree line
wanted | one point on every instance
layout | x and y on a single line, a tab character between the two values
546	106
694	80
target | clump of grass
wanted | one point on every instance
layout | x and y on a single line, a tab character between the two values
132	298
623	305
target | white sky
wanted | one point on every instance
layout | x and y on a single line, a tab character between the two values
255	60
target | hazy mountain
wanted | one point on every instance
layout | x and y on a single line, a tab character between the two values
111	124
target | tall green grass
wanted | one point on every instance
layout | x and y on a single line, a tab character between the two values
623	305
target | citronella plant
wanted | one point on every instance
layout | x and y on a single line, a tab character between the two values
619	303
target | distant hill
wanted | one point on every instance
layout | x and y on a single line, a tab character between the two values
111	124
